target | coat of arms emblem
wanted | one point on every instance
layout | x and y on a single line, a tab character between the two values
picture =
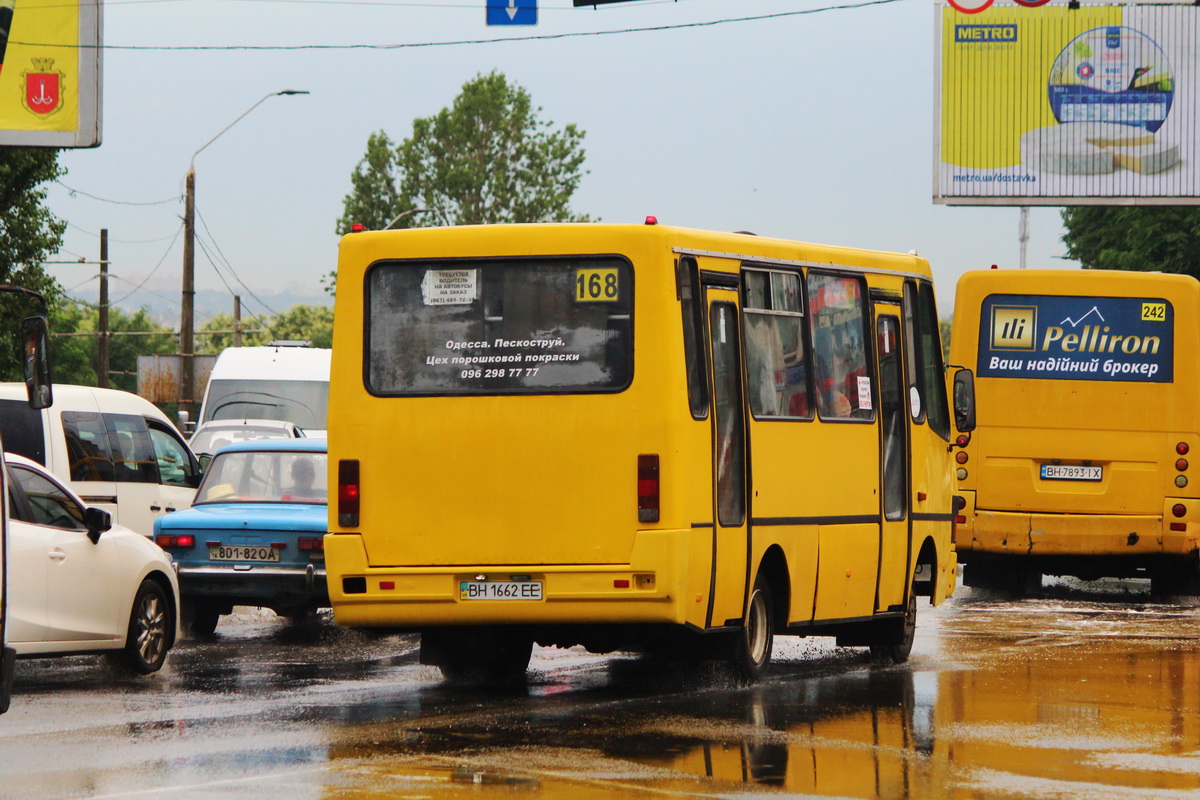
43	87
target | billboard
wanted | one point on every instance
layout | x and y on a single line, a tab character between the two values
1055	105
1077	338
50	73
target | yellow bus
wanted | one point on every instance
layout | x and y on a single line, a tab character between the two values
1087	417
634	437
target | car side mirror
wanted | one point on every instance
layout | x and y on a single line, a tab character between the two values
35	335
97	521
205	459
964	400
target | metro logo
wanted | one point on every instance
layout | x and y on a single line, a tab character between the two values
1013	327
981	34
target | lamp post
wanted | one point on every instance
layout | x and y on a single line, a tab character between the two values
187	322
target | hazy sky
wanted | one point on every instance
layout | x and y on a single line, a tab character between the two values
814	126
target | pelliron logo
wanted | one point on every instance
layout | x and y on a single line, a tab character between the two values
1014	327
985	34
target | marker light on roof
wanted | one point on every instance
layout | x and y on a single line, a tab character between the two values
651	220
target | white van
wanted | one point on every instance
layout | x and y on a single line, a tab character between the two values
284	380
114	449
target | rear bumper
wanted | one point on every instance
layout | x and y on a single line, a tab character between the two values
649	589
267	586
1034	534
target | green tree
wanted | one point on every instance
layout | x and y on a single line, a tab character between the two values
488	158
374	198
1136	238
313	323
214	336
75	344
29	233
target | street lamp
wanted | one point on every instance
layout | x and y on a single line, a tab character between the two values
187	322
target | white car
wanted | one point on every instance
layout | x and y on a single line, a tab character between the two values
79	584
211	436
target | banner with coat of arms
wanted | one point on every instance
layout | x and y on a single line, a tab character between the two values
50	73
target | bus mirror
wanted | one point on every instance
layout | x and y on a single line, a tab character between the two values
36	341
964	400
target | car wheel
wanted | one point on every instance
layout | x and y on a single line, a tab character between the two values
752	650
149	634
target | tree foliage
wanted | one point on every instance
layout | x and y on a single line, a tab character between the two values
75	350
488	158
311	323
1135	238
29	233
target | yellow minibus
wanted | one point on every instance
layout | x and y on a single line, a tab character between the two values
1087	418
634	437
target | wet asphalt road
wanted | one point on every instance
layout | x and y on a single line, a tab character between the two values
1076	694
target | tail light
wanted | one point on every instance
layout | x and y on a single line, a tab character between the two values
175	540
311	543
348	493
648	488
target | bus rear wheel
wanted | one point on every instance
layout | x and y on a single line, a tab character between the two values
752	649
489	657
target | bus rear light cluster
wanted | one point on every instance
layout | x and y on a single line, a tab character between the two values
1181	464
348	497
175	540
648	487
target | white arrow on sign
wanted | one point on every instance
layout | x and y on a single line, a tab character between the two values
512	9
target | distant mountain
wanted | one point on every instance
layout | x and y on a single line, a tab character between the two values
209	303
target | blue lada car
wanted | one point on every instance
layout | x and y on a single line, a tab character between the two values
254	535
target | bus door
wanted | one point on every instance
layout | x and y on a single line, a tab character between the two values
894	420
730	572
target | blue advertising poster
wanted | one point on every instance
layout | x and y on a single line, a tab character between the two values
1077	338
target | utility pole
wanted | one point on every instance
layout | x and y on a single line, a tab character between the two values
102	342
1023	233
186	330
237	320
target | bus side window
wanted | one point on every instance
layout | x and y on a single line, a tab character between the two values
916	392
926	371
837	317
776	362
932	369
687	277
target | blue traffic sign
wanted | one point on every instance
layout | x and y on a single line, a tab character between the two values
512	12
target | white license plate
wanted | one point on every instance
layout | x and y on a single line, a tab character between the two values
1070	472
499	590
243	552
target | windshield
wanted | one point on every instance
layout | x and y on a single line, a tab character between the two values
260	477
305	403
210	440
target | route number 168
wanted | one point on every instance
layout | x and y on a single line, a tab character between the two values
597	286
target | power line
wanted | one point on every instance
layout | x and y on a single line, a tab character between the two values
140	286
74	192
229	266
122	241
456	42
